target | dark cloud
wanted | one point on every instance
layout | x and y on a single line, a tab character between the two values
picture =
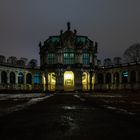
113	23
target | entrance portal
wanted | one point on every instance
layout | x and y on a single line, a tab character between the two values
68	81
51	81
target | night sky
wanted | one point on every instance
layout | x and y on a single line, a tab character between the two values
114	24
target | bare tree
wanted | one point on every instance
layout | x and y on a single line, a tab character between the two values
99	62
24	59
107	62
12	60
2	59
21	63
132	54
117	60
32	63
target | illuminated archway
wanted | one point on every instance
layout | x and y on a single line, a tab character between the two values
68	81
51	81
85	81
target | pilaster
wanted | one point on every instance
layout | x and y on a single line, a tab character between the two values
8	77
0	76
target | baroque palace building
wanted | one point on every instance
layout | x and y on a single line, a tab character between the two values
68	62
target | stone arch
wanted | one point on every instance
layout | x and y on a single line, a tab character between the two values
29	78
86	81
21	78
116	78
12	78
4	77
37	79
100	78
133	76
51	81
69	81
108	78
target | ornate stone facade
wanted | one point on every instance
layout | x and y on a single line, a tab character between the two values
68	61
120	77
15	78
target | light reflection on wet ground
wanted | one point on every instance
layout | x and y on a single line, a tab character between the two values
77	108
71	117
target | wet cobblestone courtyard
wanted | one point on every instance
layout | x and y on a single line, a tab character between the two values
68	117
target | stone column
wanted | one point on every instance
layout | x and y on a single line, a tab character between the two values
104	78
78	80
24	78
58	58
0	76
91	58
137	76
8	77
80	58
61	57
16	80
120	77
46	75
43	81
129	76
112	82
112	78
16	73
120	80
76	57
91	74
62	81
96	78
24	83
59	81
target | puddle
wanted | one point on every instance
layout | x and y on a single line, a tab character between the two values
69	107
77	108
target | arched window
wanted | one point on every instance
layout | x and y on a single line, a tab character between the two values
3	77
125	77
116	78
20	78
69	56
133	76
29	78
100	78
86	58
12	78
51	58
108	78
37	78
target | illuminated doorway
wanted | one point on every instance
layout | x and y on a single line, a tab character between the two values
85	81
68	81
51	81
